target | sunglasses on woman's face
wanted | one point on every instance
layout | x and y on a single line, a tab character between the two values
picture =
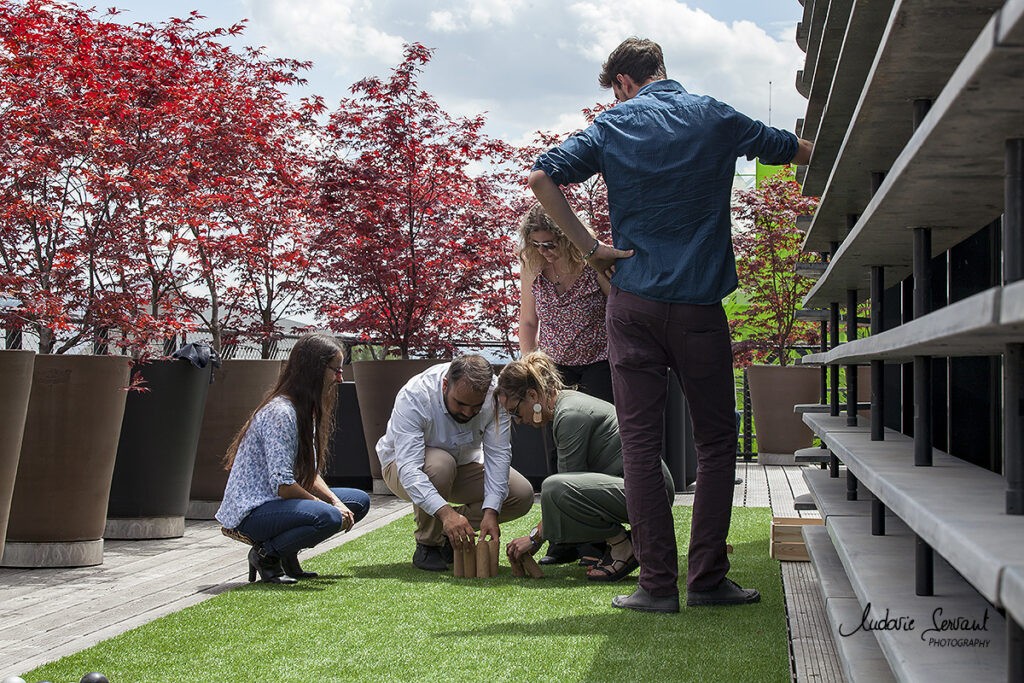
543	245
337	370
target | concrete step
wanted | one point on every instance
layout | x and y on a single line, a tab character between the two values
829	495
926	185
859	654
880	571
956	507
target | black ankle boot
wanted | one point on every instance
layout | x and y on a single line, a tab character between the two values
291	567
269	568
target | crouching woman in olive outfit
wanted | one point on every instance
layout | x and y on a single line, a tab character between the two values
275	495
586	501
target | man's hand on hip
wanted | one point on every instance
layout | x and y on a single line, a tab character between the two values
457	528
603	260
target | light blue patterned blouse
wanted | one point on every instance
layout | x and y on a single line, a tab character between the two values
264	461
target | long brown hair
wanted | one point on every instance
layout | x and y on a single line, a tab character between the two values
302	383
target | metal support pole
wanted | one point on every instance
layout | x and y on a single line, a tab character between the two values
925	566
833	326
1013	259
833	466
922	364
851	485
877	366
748	445
851	370
877	517
876	181
823	347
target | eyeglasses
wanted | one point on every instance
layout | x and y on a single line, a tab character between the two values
337	370
515	411
551	246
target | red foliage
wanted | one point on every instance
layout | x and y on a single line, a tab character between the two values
588	199
767	246
146	169
420	253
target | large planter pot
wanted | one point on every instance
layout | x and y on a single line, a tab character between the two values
348	465
238	387
156	452
774	390
59	508
15	386
377	384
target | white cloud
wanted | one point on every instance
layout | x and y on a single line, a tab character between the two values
442	22
732	62
468	15
343	28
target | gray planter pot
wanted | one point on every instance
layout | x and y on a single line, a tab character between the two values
15	386
59	507
238	387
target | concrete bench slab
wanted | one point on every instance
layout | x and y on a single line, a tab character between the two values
830	496
880	571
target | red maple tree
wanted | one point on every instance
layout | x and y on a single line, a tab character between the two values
767	246
420	249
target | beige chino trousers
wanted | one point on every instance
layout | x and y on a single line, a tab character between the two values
463	487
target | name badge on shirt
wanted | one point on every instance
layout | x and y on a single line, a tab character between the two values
464	438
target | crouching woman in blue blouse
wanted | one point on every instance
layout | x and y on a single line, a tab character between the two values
275	495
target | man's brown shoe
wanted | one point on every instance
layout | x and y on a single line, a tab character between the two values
725	593
642	601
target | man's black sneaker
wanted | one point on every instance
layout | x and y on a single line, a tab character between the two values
447	552
725	593
428	558
559	553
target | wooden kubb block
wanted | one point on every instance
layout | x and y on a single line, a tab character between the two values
787	540
481	562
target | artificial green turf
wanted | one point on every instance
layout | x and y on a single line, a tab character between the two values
372	616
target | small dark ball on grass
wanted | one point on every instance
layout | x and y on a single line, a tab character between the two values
94	677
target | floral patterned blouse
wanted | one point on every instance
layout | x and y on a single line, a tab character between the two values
572	323
264	461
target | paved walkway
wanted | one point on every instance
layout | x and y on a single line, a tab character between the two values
46	614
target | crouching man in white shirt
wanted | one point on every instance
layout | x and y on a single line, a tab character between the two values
447	450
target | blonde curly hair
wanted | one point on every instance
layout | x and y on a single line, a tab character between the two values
536	218
533	371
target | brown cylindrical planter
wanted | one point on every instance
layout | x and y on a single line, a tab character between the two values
377	384
15	385
156	451
238	387
59	508
774	390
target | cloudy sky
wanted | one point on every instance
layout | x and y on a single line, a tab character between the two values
529	64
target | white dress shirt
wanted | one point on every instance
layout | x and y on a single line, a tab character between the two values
420	420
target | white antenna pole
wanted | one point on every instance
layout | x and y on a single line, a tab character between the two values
769	103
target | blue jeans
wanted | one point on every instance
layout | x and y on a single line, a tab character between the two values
286	526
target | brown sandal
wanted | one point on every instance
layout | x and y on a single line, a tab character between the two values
609	569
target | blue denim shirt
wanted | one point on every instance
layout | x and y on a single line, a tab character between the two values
668	159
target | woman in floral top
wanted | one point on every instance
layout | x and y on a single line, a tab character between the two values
561	305
561	312
275	495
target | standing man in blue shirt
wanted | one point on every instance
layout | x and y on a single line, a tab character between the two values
668	158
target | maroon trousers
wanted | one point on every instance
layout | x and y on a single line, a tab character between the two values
645	339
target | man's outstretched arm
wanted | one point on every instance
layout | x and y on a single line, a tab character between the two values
551	198
803	152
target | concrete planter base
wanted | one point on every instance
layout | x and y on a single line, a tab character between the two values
38	555
138	528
